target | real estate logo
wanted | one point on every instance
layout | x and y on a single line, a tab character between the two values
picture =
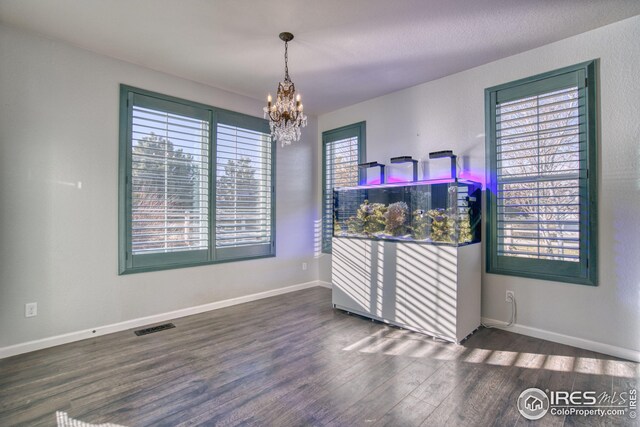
533	403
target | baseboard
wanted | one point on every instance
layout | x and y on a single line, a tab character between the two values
29	346
612	350
324	284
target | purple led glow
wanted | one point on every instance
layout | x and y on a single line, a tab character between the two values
393	179
475	176
390	180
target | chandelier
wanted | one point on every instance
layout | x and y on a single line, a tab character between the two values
285	115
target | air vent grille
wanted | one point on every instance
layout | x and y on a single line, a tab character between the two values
153	329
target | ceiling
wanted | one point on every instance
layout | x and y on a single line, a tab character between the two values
344	51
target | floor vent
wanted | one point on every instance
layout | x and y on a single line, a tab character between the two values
153	329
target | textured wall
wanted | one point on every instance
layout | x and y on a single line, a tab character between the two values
449	113
59	241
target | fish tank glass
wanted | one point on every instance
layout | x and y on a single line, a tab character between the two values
436	211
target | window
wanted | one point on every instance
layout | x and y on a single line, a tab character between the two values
342	150
541	180
174	210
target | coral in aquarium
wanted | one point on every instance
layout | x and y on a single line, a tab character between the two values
337	227
369	219
354	225
442	225
421	225
464	229
396	217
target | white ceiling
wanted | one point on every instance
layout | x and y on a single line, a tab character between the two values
344	51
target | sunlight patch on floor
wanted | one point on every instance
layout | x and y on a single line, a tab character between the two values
405	343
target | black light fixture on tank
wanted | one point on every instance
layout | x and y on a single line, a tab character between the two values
285	115
372	165
443	154
408	159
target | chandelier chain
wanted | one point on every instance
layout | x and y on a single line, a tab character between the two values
286	62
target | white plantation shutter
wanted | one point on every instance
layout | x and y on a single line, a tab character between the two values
244	190
343	150
541	194
168	186
539	175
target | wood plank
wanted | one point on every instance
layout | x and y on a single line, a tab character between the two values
410	411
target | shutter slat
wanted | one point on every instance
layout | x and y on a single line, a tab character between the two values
204	148
238	235
517	240
168	132
542	132
499	116
545	163
559	257
148	112
234	154
172	246
140	167
528	144
156	160
537	119
172	127
191	233
564	153
143	229
540	98
546	146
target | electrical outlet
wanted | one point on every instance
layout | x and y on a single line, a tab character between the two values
31	309
511	296
304	266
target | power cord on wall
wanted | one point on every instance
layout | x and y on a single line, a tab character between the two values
512	300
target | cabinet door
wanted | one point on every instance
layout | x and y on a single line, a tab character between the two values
426	280
351	274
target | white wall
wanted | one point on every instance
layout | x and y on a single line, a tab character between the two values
449	114
59	242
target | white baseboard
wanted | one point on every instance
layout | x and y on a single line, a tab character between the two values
612	350
324	284
143	321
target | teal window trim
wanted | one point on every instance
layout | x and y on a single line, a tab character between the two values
356	130
186	258
585	271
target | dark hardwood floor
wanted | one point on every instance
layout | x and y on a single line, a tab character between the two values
294	360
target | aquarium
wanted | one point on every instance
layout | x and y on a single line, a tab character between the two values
437	211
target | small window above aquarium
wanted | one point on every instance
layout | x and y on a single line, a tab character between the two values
437	211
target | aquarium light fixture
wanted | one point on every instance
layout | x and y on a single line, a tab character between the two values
446	153
285	115
440	154
373	165
370	165
407	159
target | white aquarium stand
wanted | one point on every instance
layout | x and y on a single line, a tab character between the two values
427	288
